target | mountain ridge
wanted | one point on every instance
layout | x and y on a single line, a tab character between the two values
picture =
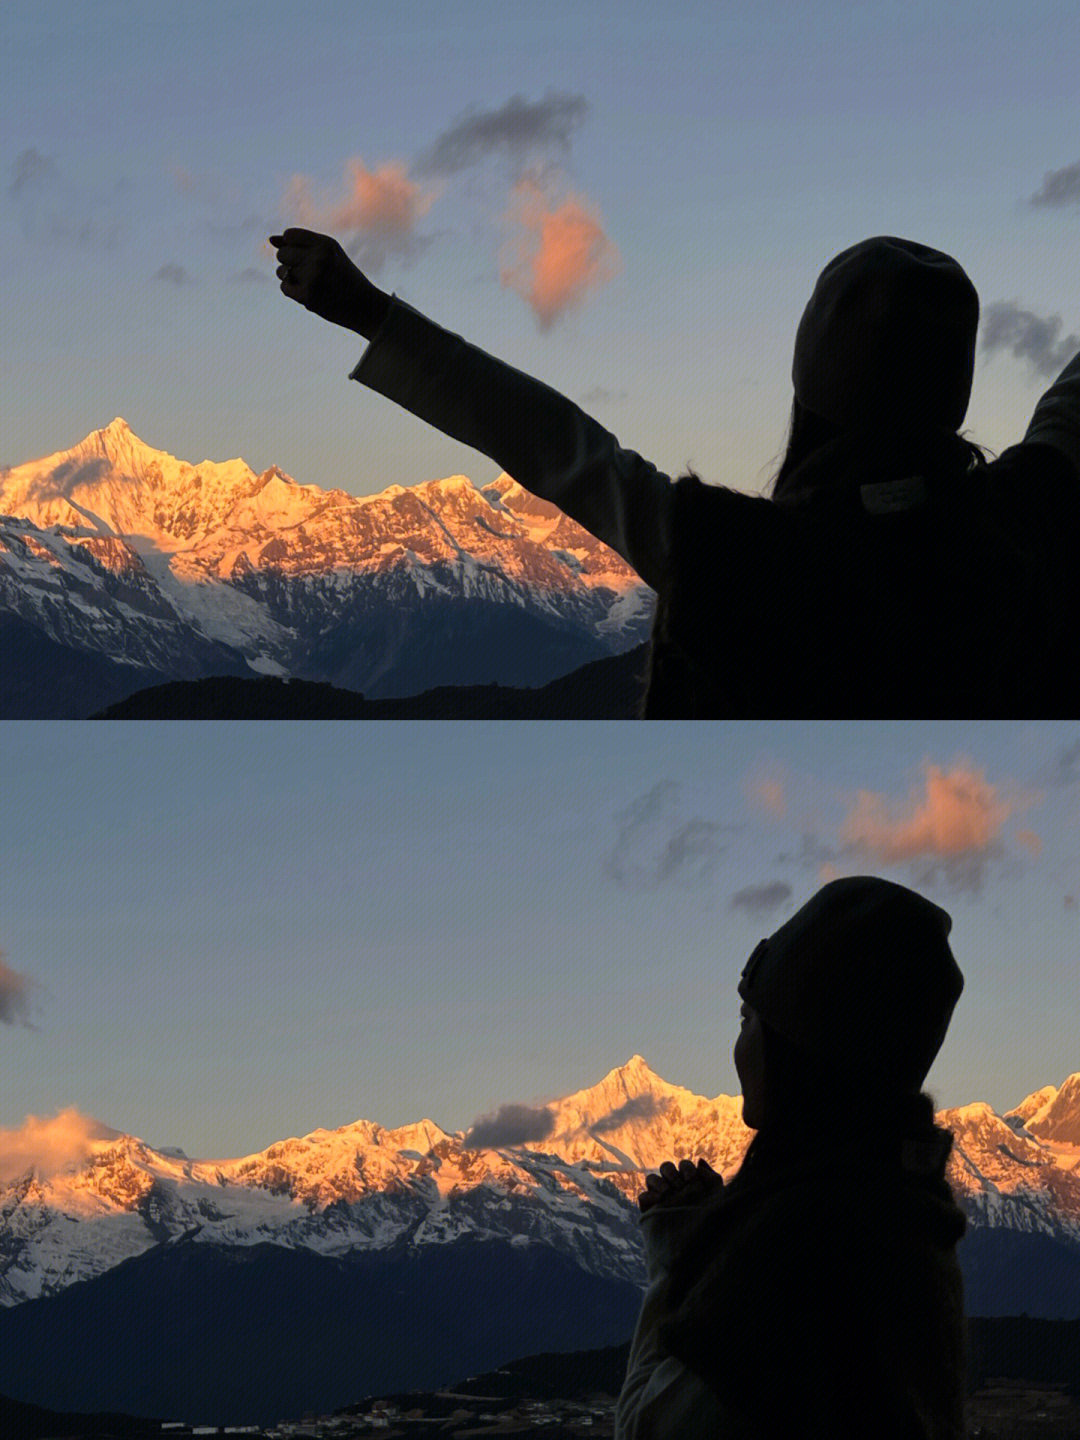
348	1261
565	1174
120	550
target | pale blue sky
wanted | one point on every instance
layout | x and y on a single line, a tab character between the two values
232	933
721	153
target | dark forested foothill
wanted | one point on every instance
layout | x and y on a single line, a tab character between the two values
609	689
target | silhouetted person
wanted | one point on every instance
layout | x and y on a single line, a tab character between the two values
893	571
817	1293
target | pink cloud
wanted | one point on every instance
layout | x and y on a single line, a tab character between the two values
48	1145
957	812
559	254
379	208
770	795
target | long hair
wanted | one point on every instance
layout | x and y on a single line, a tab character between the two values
821	458
843	454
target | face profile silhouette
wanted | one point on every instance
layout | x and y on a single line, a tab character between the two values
749	1057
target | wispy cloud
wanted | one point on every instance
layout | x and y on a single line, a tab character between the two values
813	852
656	843
48	1145
520	129
1059	187
761	899
951	828
600	395
51	210
16	991
954	811
638	1107
1006	325
511	1125
173	273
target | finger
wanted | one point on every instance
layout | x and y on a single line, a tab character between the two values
287	245
654	1182
667	1169
687	1170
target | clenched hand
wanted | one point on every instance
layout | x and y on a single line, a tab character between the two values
316	273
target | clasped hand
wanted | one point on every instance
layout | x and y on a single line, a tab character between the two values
687	1185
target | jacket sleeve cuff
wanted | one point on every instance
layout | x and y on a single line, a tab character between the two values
385	356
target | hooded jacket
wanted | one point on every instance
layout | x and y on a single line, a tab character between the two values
819	1294
890	603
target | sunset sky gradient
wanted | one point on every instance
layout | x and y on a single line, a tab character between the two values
630	202
219	935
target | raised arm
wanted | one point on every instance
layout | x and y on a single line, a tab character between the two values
546	442
1056	420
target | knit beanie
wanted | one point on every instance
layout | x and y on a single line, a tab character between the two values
861	975
888	336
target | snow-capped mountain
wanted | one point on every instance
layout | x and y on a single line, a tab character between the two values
366	1188
119	552
364	1261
